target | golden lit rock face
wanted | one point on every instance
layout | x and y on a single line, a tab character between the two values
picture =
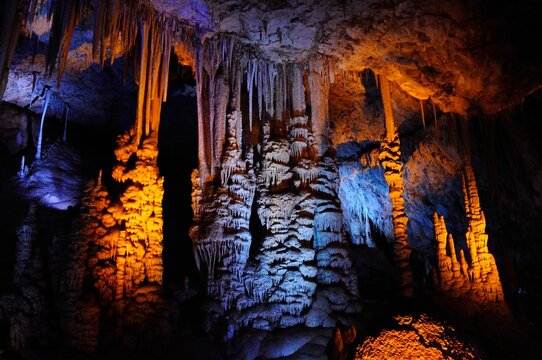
415	337
184	54
390	158
127	232
477	279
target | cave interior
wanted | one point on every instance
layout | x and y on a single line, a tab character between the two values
287	179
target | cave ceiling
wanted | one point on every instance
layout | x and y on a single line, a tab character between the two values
466	56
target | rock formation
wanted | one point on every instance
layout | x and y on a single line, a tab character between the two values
477	279
301	271
127	258
416	337
390	158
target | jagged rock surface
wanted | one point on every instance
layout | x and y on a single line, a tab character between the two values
416	337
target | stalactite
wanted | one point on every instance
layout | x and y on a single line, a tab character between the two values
390	158
237	107
298	90
260	88
388	111
218	71
65	134
10	23
435	115
251	71
204	170
285	90
44	113
66	15
423	114
319	94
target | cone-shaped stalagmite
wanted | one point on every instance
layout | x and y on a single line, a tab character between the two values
476	280
390	158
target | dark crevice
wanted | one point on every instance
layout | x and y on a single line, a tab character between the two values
257	230
177	158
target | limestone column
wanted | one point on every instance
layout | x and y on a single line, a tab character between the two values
390	158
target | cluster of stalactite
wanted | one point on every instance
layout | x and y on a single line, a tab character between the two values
477	279
10	25
117	24
390	159
224	65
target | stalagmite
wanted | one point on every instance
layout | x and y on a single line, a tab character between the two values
476	280
44	113
23	169
390	158
127	231
293	195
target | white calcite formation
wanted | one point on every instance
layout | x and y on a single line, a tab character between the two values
221	232
365	201
300	273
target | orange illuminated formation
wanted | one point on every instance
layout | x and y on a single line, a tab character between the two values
125	227
478	279
127	264
415	338
390	158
